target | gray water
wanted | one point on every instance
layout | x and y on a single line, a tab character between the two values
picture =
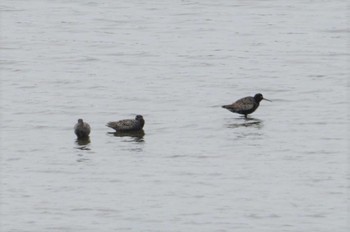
197	167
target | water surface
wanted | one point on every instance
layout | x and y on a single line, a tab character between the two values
196	167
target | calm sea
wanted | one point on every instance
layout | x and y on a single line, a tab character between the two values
197	167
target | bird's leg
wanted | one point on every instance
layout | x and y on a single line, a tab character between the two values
245	116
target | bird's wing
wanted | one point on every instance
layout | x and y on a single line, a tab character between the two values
243	104
126	124
87	127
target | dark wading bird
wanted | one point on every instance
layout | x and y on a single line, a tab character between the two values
82	129
128	125
246	105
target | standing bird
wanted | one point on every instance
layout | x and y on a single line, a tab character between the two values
82	129
246	105
128	125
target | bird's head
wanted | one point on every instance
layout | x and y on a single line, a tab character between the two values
138	117
258	97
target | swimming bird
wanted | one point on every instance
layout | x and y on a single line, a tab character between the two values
128	125
246	105
82	129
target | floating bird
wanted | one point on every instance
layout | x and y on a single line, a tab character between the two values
128	125
82	129
246	105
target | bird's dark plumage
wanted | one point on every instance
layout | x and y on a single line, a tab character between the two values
246	105
82	129
127	125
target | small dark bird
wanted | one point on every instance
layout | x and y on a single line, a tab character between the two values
128	125
246	105
82	129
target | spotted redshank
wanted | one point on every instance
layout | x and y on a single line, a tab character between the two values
128	124
246	105
82	129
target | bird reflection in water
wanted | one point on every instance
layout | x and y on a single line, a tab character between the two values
248	122
83	143
137	136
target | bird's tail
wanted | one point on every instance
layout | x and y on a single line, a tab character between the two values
110	124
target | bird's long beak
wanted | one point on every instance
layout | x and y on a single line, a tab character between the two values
267	99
